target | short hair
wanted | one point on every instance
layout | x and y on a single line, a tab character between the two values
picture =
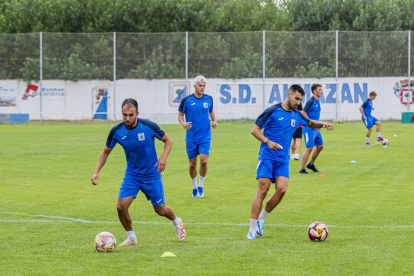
373	93
315	86
131	102
199	79
297	88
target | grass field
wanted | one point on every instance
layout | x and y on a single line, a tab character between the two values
50	212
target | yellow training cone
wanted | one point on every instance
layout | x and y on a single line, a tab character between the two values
168	254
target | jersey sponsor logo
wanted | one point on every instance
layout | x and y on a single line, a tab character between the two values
124	137
205	105
141	136
293	122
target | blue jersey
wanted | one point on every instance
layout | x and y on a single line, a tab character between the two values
367	107
196	111
313	109
279	126
139	147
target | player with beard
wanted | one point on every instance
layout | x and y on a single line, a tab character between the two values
143	171
278	122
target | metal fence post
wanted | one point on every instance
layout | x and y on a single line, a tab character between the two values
186	62
264	67
114	103
410	95
336	76
41	75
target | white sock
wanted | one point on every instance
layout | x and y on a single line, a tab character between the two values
201	181
194	181
379	134
176	221
366	139
131	234
253	225
263	215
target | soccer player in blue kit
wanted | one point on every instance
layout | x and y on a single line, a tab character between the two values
198	110
313	137
278	122
369	120
143	171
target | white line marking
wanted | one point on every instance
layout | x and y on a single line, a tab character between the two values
74	220
44	216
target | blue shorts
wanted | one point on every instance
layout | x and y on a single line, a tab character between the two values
271	169
313	137
153	189
370	122
196	148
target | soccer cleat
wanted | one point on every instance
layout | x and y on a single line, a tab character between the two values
292	157
180	231
194	193
251	235
303	171
367	144
313	168
200	192
297	157
129	241
259	229
380	138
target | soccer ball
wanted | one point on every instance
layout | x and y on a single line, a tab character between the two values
105	242
385	142
317	231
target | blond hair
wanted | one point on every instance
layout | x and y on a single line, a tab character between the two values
199	79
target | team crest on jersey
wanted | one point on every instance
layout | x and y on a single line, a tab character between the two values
205	105
141	136
293	122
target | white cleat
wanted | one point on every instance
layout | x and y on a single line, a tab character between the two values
251	235
129	241
180	231
297	157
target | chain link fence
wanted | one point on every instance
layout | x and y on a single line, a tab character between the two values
107	60
217	55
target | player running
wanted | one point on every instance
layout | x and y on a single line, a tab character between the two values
368	119
313	137
143	171
279	123
198	110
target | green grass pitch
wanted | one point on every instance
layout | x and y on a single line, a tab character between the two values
50	213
